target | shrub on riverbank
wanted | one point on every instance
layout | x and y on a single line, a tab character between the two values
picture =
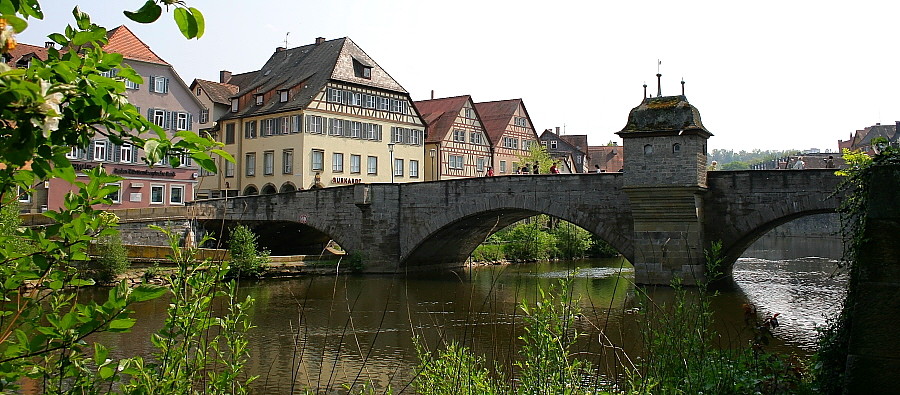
111	261
247	260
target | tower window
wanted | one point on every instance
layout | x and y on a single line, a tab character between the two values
676	148
648	149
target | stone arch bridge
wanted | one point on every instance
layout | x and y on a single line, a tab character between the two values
400	227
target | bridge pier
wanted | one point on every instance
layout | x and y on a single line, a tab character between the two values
668	234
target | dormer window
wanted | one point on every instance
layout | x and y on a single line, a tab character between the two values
283	96
362	69
234	105
553	144
259	99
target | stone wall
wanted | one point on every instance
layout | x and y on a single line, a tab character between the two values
665	167
873	363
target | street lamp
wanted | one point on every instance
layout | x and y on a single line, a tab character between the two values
391	150
432	152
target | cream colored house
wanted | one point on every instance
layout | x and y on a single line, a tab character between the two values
320	115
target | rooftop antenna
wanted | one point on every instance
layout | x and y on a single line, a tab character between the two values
645	89
285	39
682	86
658	79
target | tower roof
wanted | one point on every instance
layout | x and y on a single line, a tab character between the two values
664	115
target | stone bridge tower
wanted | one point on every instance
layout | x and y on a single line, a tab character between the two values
665	180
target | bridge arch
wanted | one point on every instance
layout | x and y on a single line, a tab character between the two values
750	204
449	238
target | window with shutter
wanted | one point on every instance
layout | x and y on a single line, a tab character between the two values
295	124
346	127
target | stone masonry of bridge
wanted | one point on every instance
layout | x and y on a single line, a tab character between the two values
662	213
400	227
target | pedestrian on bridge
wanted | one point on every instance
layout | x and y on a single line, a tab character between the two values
536	169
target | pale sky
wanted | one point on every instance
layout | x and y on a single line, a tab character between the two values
764	74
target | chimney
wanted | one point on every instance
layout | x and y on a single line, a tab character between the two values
432	96
49	44
557	130
224	76
279	49
320	40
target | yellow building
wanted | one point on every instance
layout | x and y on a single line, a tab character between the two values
319	115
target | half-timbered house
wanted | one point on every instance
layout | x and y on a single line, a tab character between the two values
510	130
320	115
457	145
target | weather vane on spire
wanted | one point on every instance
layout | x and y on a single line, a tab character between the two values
285	39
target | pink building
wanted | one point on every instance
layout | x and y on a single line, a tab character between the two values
165	100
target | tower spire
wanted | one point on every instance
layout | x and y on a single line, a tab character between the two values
658	79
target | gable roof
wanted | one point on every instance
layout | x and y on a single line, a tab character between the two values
124	42
440	114
496	116
579	141
217	91
563	145
864	137
25	52
313	65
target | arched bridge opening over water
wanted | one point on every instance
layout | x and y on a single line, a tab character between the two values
400	227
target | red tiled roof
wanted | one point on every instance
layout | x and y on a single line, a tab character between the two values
124	42
22	50
609	158
496	116
217	91
440	114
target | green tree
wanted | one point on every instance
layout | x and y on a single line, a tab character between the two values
571	241
45	110
528	242
538	154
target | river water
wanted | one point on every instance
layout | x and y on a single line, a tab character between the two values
326	332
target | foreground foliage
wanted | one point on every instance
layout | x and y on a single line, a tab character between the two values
47	110
681	353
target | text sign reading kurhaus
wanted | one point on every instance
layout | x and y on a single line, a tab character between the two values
345	180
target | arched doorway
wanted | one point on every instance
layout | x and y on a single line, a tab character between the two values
288	187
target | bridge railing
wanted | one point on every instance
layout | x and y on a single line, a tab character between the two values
143	214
